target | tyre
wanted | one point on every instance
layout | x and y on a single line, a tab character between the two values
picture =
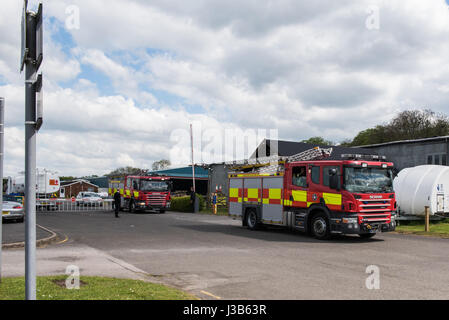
320	226
251	220
162	211
20	220
132	207
366	235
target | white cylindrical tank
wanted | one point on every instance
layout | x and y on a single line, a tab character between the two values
422	186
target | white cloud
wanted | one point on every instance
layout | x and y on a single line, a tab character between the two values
306	68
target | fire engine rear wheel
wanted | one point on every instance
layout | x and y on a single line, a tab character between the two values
251	220
367	235
320	226
132	206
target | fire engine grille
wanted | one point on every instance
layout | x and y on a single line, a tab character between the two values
155	200
375	210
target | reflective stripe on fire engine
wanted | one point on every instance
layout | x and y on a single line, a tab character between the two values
306	199
251	195
332	199
272	196
299	196
234	192
255	175
235	195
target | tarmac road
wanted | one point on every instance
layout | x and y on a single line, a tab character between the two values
218	258
14	232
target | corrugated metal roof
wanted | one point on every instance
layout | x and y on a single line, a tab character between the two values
72	182
101	182
289	148
184	172
441	138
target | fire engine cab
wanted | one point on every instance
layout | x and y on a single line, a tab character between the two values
140	193
322	197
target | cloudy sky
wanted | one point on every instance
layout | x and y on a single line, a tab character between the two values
125	78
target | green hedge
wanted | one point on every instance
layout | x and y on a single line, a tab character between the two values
182	204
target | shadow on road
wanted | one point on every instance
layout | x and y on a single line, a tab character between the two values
272	233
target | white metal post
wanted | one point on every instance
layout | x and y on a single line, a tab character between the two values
30	161
193	163
2	148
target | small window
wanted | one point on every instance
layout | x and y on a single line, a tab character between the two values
128	183
135	184
443	160
437	159
429	159
316	174
299	177
326	176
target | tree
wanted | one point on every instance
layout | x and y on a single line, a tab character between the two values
407	125
69	178
318	141
374	135
415	124
161	165
124	171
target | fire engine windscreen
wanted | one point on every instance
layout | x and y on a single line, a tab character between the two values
148	185
368	180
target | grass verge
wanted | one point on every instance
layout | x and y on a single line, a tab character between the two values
437	229
91	288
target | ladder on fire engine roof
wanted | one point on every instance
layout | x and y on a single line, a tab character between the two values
276	164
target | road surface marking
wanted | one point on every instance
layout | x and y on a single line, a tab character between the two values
65	240
210	294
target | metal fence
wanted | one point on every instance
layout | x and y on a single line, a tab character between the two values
72	205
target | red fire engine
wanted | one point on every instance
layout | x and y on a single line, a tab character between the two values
139	193
322	197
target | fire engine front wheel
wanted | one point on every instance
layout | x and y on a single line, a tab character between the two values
132	207
320	226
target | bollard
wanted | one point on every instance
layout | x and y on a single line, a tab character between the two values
214	201
427	219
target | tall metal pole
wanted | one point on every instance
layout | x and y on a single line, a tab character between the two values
2	149
193	163
30	162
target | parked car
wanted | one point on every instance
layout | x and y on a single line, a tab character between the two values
47	204
88	199
103	195
12	210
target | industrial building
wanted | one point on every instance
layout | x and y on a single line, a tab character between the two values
72	188
412	153
183	178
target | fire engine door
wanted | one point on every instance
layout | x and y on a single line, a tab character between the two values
297	197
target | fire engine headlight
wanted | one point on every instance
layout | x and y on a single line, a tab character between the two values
349	220
142	203
168	204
